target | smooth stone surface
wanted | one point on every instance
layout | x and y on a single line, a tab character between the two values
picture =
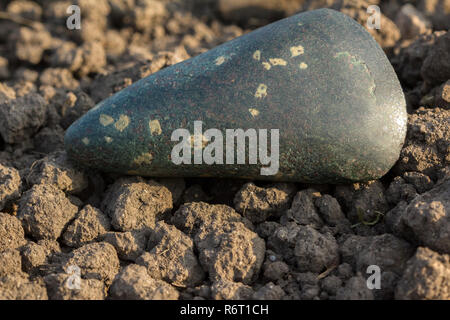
318	77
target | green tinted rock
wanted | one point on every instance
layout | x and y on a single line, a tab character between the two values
317	77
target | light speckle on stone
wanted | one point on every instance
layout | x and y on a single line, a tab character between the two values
105	120
220	60
155	127
297	50
145	158
108	139
254	112
205	141
257	55
85	141
261	91
122	123
303	65
267	65
278	62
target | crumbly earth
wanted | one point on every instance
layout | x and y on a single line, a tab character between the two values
70	233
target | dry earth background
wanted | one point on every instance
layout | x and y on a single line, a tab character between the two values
135	238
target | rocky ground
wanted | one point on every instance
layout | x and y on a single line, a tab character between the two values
136	238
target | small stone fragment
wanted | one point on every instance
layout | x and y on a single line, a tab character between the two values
29	44
368	202
94	58
267	228
37	255
134	283
420	181
10	262
11	232
6	92
257	204
283	241
58	78
58	288
410	59
436	66
18	287
276	270
303	210
104	85
171	257
427	146
331	213
400	190
22	117
134	204
115	44
67	55
190	217
57	170
230	252
45	211
386	251
88	226
345	271
442	95
314	251
331	284
96	261
49	139
411	22
427	277
129	245
75	109
310	292
428	219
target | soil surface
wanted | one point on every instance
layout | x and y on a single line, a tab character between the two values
69	233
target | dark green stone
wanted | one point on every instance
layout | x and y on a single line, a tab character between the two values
330	91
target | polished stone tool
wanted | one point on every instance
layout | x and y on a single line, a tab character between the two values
318	77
